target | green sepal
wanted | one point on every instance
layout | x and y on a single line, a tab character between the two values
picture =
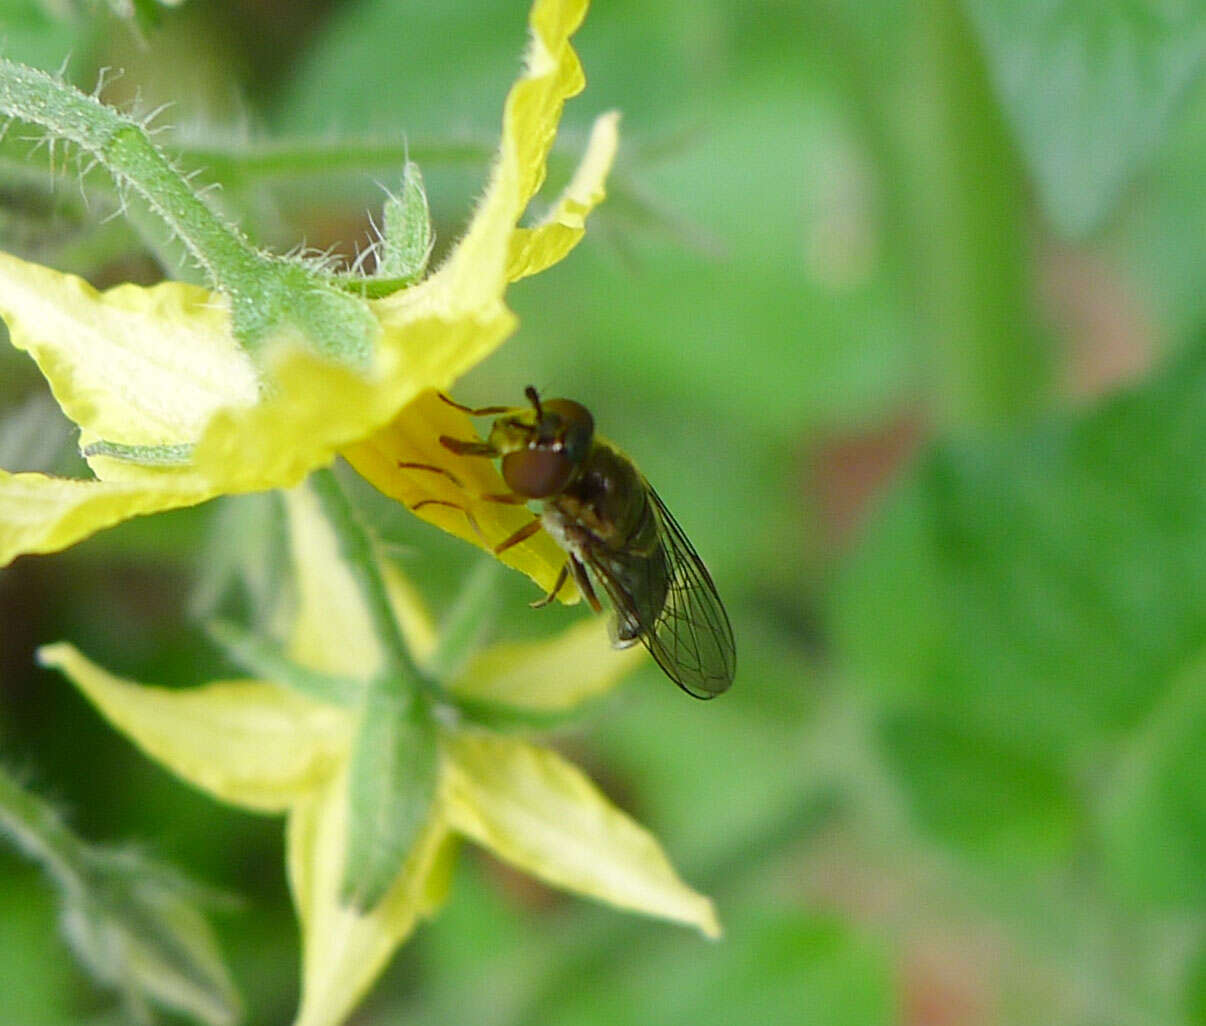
135	928
512	719
407	236
134	924
267	660
180	455
392	783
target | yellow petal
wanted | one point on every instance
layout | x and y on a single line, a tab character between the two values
345	950
534	809
332	631
246	742
552	675
44	514
533	109
315	408
534	249
143	366
414	437
553	74
466	292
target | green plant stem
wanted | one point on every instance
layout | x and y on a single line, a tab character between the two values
267	293
37	829
121	144
970	232
357	551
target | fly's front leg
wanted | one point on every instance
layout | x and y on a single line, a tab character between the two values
479	411
474	448
454	505
506	498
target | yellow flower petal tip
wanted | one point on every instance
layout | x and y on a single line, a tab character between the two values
249	743
536	810
536	249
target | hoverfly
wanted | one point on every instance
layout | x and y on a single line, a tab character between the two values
599	508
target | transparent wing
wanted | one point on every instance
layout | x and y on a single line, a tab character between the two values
688	632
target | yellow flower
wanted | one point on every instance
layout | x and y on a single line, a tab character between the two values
160	366
261	746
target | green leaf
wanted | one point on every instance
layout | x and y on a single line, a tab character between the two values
468	622
180	455
266	660
136	930
132	923
243	564
985	795
1153	812
1090	87
391	786
1028	603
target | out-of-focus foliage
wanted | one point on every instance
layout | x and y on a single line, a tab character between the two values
900	306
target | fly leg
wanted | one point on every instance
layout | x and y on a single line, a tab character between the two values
463	448
454	505
522	534
560	583
480	411
406	465
487	451
583	581
506	498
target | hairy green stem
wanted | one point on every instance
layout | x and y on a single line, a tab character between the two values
122	145
268	295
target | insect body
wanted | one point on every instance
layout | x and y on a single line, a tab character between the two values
600	509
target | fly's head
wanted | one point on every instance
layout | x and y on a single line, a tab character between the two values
543	448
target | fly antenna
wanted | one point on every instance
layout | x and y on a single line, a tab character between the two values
534	399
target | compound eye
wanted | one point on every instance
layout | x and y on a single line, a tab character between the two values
537	473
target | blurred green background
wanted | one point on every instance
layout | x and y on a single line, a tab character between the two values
902	308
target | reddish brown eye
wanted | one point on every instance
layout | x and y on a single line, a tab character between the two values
537	473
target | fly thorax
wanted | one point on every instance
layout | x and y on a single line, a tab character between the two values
559	527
